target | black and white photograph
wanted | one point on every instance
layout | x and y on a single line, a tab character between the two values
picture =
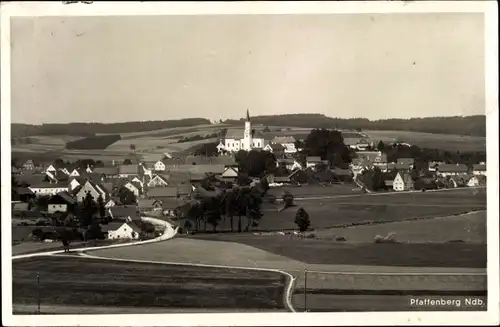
249	163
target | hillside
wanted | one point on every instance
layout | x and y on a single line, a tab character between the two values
469	125
91	129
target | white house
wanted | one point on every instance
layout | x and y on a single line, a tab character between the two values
53	208
288	142
129	230
134	187
402	182
445	170
93	189
159	166
251	139
479	169
230	173
44	189
157	181
476	180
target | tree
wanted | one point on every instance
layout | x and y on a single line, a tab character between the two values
88	210
207	149
127	197
102	209
287	198
230	206
253	202
381	146
127	161
329	145
132	147
302	219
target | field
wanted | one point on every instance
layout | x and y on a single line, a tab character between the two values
151	145
428	140
72	281
343	210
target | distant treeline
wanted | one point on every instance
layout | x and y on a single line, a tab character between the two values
90	129
469	125
93	143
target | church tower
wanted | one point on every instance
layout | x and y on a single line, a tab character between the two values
247	136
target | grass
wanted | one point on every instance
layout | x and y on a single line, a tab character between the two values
470	228
87	282
314	251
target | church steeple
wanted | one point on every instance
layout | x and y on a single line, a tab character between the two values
248	115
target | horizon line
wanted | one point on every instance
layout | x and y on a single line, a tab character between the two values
238	119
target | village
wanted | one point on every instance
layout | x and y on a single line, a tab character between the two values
174	189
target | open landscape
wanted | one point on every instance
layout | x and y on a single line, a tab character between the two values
265	164
73	281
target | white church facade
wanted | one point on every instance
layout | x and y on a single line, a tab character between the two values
247	139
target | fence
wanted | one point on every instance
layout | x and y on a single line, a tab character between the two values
389	291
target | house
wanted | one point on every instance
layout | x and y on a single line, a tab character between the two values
94	189
110	203
134	187
272	179
402	182
124	212
289	163
445	170
246	139
342	175
158	181
276	148
405	163
357	143
288	143
20	208
125	171
476	180
23	194
372	158
169	192
148	204
479	169
106	172
46	188
28	165
129	230
311	162
433	165
57	176
171	207
231	173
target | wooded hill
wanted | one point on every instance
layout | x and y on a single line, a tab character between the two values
468	125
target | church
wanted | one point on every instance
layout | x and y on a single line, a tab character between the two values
247	139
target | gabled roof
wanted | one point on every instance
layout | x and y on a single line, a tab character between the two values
168	191
230	172
50	185
106	170
452	168
163	178
406	161
24	191
176	177
133	226
276	146
124	211
313	159
283	139
145	203
128	169
479	167
67	197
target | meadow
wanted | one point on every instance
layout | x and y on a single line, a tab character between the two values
73	281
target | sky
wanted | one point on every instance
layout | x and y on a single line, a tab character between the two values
129	68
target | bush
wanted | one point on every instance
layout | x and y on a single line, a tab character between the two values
302	219
340	239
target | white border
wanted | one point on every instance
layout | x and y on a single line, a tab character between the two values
275	319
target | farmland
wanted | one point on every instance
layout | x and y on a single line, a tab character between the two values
73	281
432	141
354	208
